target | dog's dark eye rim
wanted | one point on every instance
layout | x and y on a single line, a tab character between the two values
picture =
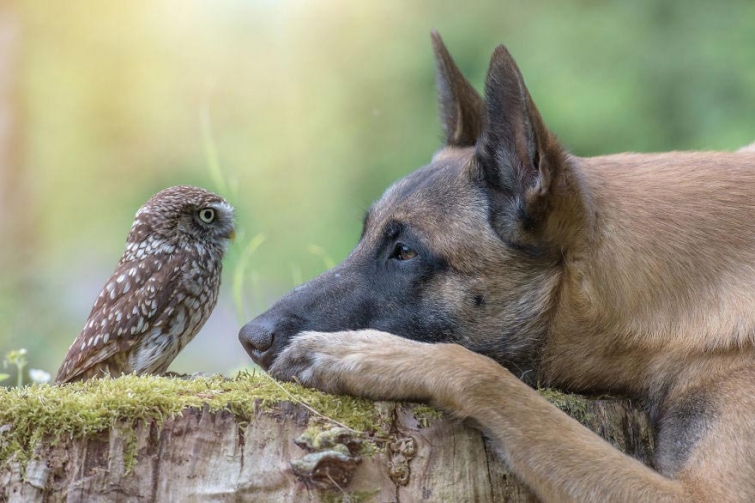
403	252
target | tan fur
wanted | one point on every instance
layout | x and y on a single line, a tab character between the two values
629	273
673	242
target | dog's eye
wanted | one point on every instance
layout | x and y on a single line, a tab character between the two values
403	252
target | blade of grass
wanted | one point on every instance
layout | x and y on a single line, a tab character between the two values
296	275
239	274
211	152
320	252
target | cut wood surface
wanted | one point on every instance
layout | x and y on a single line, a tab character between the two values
268	448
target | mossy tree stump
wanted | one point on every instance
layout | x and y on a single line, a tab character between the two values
250	439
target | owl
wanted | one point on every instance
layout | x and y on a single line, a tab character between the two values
162	291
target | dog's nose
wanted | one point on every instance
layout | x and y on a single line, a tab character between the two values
257	337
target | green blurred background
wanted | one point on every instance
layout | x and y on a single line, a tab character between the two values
311	109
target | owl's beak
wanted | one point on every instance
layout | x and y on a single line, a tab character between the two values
232	235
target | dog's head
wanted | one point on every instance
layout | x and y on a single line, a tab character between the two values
465	249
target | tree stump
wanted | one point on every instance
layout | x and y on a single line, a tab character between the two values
155	439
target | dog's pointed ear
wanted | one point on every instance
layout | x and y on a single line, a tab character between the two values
517	155
461	107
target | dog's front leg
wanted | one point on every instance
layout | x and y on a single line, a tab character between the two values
552	453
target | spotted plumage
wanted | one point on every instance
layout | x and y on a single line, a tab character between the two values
162	291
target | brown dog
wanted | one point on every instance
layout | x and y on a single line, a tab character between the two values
629	273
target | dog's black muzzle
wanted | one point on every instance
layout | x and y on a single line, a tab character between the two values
357	294
267	335
335	300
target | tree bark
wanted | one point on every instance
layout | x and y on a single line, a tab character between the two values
200	455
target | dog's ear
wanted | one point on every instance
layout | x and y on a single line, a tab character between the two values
517	156
461	107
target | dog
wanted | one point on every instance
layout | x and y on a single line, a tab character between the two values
506	262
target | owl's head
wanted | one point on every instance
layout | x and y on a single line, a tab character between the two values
183	216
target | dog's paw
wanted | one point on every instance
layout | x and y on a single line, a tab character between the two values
366	363
304	358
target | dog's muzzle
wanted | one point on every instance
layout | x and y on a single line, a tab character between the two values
258	337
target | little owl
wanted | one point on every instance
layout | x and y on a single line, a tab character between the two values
162	291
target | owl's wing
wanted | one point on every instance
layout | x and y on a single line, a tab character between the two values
128	306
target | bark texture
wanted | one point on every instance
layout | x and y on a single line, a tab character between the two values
213	456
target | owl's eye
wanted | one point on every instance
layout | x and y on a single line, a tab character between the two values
207	215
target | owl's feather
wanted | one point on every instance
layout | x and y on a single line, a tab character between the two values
123	312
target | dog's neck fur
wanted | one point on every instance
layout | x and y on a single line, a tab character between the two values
652	265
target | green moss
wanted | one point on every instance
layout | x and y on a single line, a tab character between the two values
29	414
574	405
424	413
129	447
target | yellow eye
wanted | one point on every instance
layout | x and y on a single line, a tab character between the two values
207	215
